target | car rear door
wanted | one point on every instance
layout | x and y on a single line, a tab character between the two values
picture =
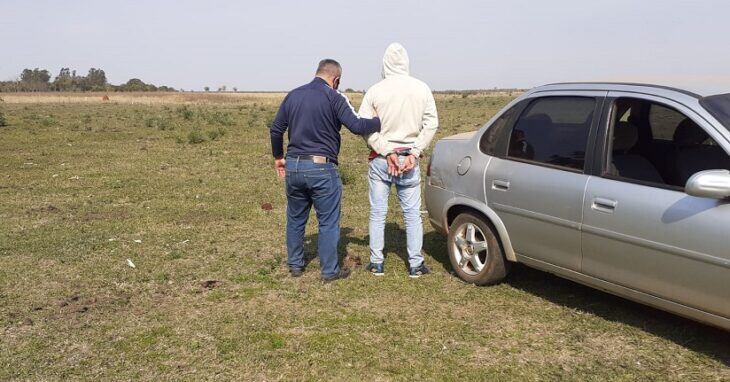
653	237
537	185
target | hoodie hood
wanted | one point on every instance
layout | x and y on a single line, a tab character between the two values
395	60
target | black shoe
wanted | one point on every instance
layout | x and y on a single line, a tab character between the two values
376	269
296	272
418	271
344	273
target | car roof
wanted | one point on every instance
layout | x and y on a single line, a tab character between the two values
659	90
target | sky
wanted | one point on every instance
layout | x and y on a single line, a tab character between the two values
455	44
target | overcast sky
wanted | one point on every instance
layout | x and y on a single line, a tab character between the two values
455	44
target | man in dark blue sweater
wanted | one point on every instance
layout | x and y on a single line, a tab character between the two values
314	114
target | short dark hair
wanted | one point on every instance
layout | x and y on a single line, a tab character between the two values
329	66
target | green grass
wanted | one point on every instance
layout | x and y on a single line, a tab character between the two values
86	186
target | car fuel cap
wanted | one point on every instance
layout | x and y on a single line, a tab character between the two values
463	165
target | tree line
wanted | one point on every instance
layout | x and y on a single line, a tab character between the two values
39	80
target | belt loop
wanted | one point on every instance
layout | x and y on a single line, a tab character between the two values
297	164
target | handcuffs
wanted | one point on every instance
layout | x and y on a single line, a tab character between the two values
401	152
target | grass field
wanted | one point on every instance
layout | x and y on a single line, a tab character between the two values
176	184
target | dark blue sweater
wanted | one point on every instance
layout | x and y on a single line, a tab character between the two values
314	114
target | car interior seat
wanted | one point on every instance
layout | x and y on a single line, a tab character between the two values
535	128
692	155
630	165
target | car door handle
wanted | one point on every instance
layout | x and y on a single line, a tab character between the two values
604	205
500	185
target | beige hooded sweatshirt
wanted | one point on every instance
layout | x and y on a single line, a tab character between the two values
404	104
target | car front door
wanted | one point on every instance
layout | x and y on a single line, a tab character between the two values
537	185
645	233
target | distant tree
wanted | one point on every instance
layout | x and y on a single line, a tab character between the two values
67	80
222	88
134	85
235	89
207	88
35	80
35	75
9	86
349	90
96	79
77	82
63	81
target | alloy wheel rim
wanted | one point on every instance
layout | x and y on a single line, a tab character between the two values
470	248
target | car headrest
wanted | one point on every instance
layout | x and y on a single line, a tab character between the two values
541	119
625	136
689	133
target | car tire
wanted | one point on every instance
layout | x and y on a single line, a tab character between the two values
475	251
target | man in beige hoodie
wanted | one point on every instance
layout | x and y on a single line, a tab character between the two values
409	121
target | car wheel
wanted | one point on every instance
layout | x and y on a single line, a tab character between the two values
475	252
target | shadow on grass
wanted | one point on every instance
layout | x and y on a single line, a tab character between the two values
687	333
311	245
692	335
395	242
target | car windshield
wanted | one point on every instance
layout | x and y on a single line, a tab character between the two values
719	107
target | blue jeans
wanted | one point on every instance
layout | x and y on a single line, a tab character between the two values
408	189
308	184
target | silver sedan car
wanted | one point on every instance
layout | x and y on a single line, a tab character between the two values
622	187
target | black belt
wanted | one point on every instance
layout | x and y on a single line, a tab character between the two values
311	157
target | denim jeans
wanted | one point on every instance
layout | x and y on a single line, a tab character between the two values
308	184
408	189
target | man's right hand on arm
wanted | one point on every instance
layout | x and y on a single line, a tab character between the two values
353	122
280	167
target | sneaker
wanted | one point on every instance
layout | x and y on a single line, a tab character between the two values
376	269
296	272
344	273
418	271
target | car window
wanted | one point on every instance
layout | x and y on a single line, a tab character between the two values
663	121
490	141
625	116
553	130
663	147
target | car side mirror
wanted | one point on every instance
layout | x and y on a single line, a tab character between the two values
709	184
